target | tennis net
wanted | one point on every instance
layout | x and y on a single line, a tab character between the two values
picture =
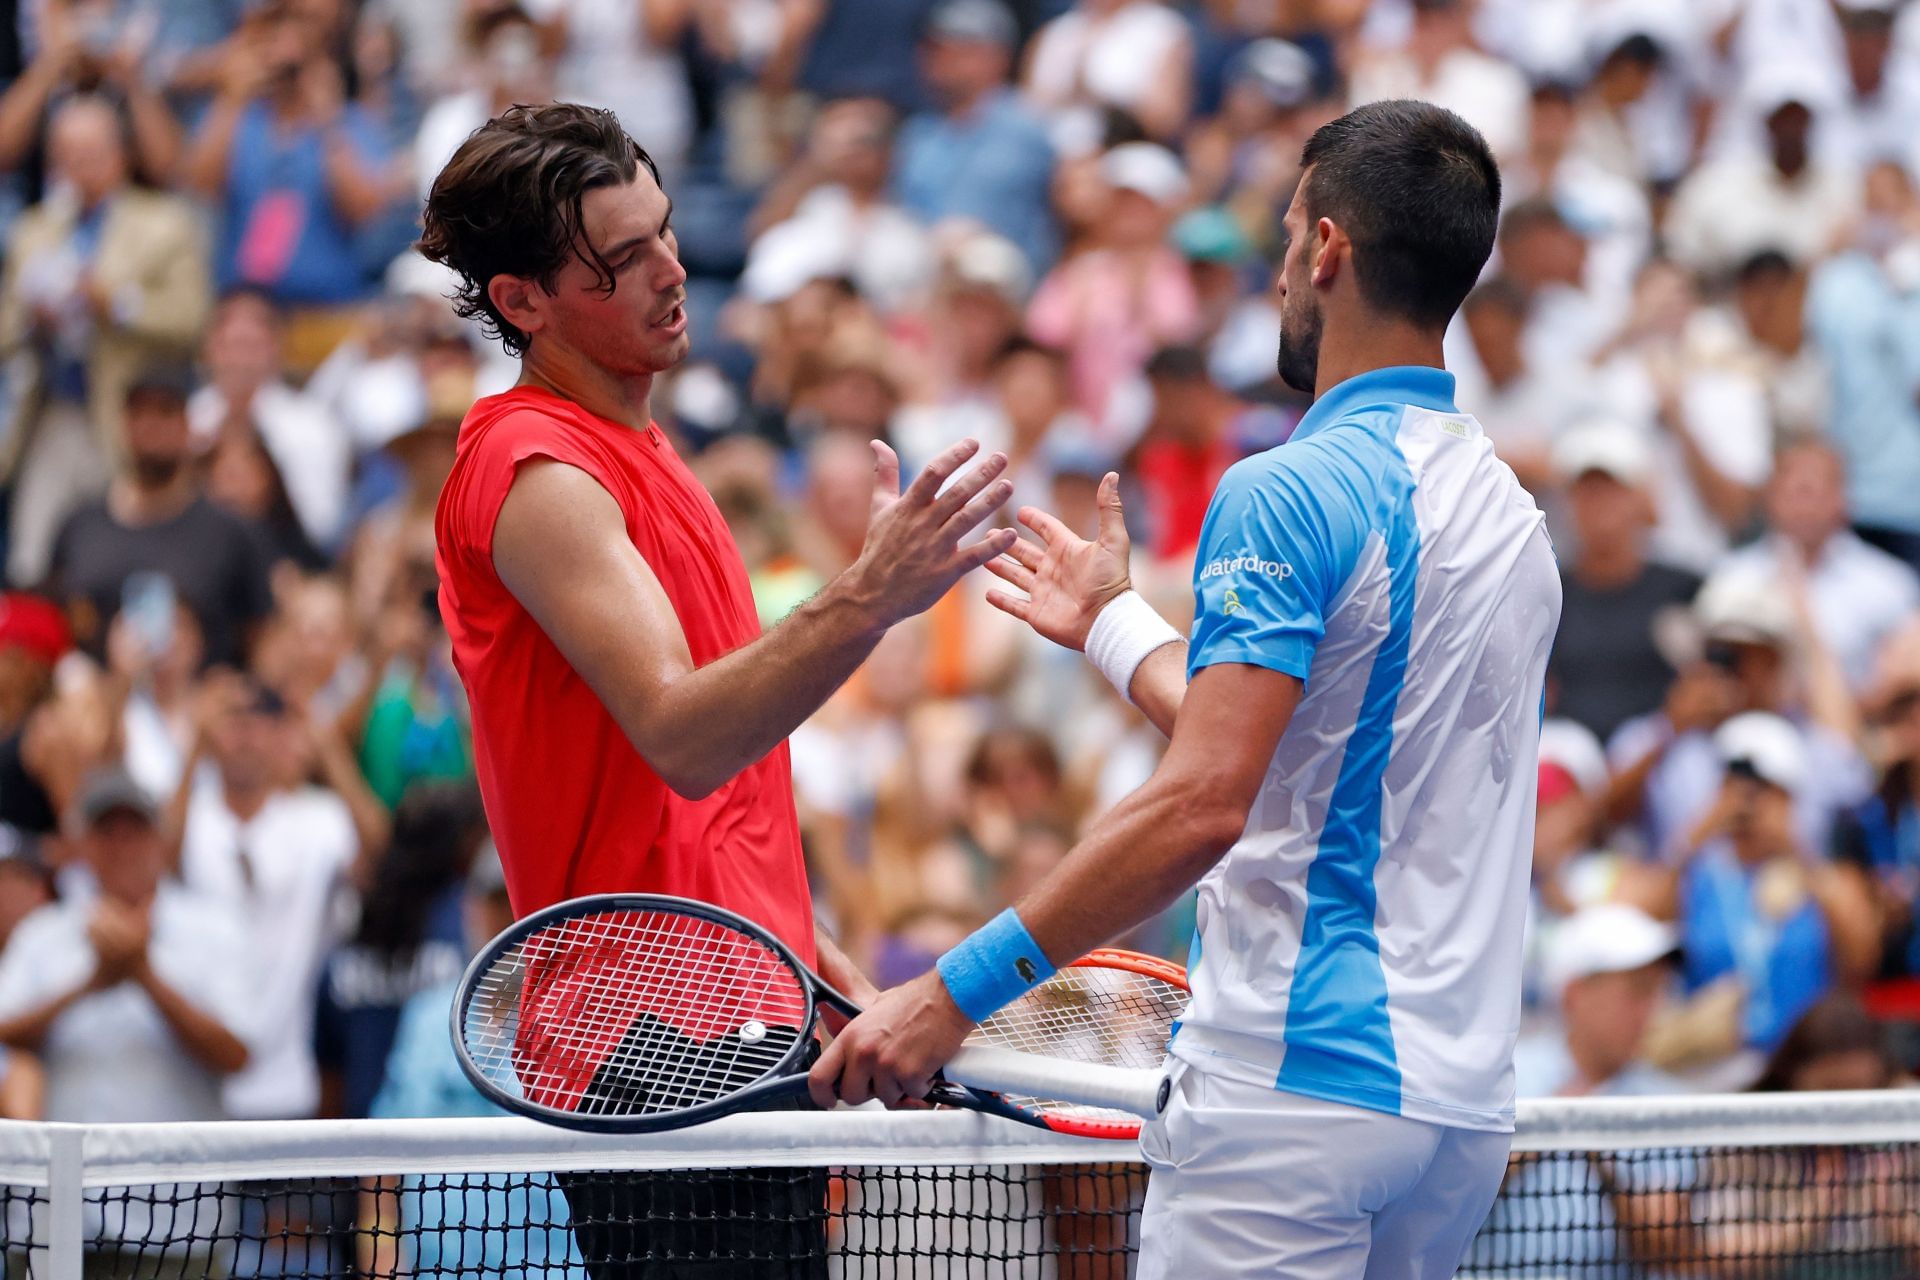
1780	1186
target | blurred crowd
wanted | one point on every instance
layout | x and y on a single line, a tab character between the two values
242	858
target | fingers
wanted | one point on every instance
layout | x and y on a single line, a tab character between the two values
1013	605
1026	554
984	551
886	472
823	1082
1051	531
927	484
981	480
1012	572
991	500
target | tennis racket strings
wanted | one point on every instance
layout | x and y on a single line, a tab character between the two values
633	1013
1096	1013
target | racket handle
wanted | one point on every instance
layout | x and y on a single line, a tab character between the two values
1030	1075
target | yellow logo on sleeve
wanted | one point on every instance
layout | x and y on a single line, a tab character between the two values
1232	603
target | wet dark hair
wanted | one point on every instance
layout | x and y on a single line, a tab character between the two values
508	203
1417	191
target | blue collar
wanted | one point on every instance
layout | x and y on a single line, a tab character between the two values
1414	384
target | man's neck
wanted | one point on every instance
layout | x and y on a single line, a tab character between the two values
1374	343
573	377
245	803
1810	553
967	106
132	503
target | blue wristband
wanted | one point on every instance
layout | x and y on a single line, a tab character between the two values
997	964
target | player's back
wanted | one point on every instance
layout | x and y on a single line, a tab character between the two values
1361	943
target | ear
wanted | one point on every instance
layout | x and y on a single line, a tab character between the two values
1332	251
520	301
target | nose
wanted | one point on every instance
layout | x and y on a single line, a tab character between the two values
672	274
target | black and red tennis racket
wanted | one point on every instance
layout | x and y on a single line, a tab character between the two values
633	1013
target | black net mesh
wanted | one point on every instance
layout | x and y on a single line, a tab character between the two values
20	1210
1779	1213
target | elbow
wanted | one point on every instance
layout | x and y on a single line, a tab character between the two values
230	1056
1211	822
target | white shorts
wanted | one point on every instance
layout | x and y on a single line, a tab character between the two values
1249	1181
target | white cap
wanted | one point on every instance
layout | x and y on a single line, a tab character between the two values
1570	745
1612	448
1775	83
1767	744
1743	607
1610	937
789	257
1147	168
990	261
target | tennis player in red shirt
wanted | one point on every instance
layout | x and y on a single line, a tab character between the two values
629	718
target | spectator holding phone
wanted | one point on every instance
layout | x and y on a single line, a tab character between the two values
155	519
1767	925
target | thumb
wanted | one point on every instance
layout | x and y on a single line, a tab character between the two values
1113	520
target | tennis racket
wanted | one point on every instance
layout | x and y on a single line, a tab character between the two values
634	1013
1109	1008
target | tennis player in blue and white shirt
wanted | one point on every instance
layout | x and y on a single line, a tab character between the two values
1350	780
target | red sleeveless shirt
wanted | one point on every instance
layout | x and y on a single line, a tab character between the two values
573	807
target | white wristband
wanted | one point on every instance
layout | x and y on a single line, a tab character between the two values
1122	636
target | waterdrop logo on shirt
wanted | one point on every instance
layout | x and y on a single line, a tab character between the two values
1249	563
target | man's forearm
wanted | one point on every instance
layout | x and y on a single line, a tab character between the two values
200	1034
1160	685
1152	847
714	721
28	1030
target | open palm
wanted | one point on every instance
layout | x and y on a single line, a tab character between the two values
1068	580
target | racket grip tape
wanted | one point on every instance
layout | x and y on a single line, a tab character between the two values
996	965
1027	1075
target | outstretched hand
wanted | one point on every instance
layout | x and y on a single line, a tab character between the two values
1068	580
913	554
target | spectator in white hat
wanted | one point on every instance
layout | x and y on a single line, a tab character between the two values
836	199
1741	649
1608	967
1767	925
1788	198
1136	55
1113	306
1606	668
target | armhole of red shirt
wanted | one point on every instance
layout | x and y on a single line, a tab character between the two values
529	437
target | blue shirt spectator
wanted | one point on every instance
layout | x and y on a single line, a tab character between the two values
282	228
1868	329
864	48
985	155
363	992
491	1224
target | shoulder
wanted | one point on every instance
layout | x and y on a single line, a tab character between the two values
1887	572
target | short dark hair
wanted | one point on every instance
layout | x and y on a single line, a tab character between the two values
1022	345
508	203
1767	266
1417	191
